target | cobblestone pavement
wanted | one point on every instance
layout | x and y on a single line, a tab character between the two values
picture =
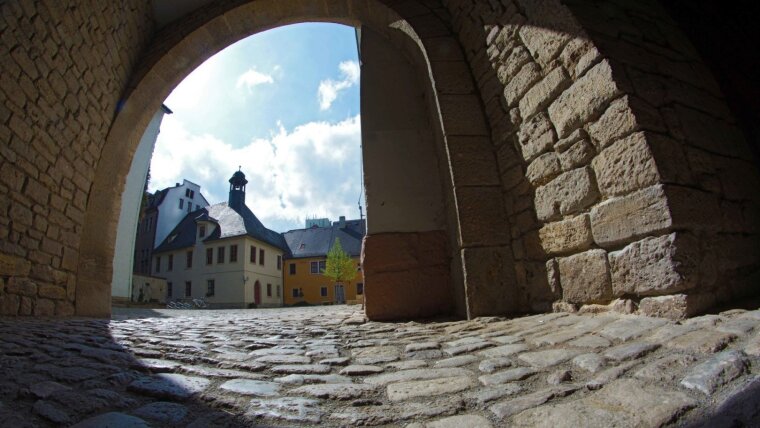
325	365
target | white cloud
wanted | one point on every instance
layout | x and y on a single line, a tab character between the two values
329	89
310	170
252	78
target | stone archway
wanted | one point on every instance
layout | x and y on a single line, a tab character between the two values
409	208
585	152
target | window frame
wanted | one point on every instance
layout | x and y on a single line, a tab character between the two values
158	264
189	259
292	268
279	262
359	288
188	288
181	204
261	256
170	263
220	255
269	290
209	256
323	292
252	257
202	231
233	253
210	287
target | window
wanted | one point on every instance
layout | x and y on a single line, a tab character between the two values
360	288
295	292
209	256
169	290
171	263
261	256
233	253
318	267
189	193
292	268
158	264
202	230
220	254
181	203
188	288
197	207
278	290
253	254
269	290
210	288
323	291
279	262
189	206
189	259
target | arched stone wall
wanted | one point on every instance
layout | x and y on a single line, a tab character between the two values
606	164
624	173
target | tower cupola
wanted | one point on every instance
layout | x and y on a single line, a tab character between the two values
237	190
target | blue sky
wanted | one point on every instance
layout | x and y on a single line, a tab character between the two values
284	105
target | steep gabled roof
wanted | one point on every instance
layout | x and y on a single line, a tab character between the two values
317	241
230	223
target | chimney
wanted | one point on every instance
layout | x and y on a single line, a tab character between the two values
342	222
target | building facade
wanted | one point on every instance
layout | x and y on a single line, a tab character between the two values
162	212
223	254
302	275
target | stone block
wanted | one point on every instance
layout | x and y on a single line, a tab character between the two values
512	64
653	266
11	265
543	92
625	166
629	217
544	43
472	161
670	159
565	143
567	236
519	84
489	278
64	308
543	169
675	307
427	292
44	308
587	97
536	136
585	277
577	155
9	304
464	115
552	277
569	193
388	252
52	292
479	209
21	286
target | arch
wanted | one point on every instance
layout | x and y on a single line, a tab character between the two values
423	43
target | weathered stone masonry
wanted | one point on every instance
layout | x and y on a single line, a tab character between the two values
624	173
590	154
64	66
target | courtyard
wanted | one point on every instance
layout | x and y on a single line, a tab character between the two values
329	366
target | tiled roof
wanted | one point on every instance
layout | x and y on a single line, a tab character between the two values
230	223
317	241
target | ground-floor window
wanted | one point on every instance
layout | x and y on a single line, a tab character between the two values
278	291
360	288
188	288
169	290
323	292
295	292
269	290
210	288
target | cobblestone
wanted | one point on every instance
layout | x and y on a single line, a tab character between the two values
305	366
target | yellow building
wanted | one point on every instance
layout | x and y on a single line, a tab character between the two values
308	254
223	254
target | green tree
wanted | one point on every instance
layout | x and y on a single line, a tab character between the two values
339	266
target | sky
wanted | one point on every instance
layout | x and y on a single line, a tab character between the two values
283	105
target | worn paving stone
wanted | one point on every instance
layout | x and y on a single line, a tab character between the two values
487	394
169	385
459	421
112	419
630	328
164	412
377	354
252	387
705	341
626	402
493	364
509	375
548	358
417	374
666	369
461	360
503	351
630	351
289	409
608	375
508	408
429	387
387	414
301	369
590	341
361	370
336	391
590	362
46	388
407	364
716	371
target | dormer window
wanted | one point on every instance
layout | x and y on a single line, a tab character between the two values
202	230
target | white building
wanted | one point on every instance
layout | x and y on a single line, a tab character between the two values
121	279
